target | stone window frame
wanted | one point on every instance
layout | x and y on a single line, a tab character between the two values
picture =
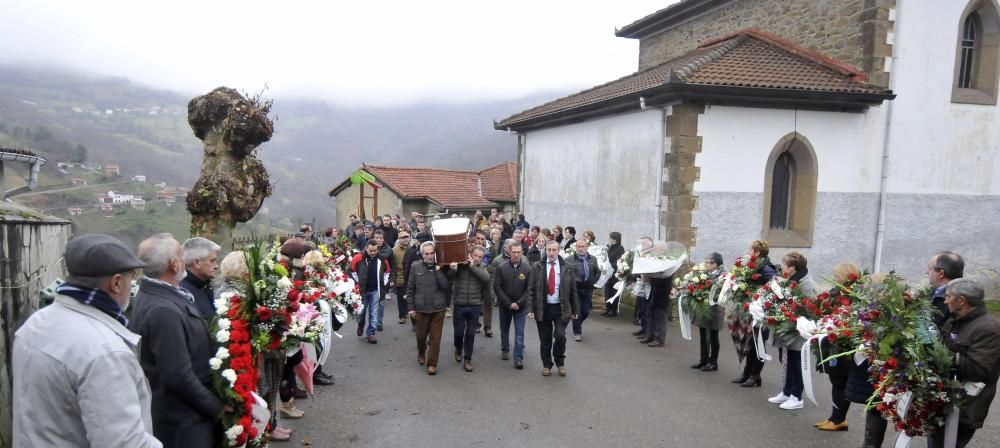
802	214
986	55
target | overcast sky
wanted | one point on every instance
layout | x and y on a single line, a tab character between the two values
351	52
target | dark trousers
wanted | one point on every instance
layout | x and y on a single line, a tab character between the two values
840	402
657	327
586	303
793	374
287	389
965	433
640	312
753	364
487	308
552	335
465	320
401	301
709	346
875	427
609	292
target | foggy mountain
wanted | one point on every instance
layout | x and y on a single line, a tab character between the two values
315	145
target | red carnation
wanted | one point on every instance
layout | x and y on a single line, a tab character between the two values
233	313
832	337
845	301
253	432
690	288
752	265
293	307
755	276
823	295
239	324
264	313
746	306
739	263
771	321
852	277
274	344
891	363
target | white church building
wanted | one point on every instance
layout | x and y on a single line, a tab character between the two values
843	129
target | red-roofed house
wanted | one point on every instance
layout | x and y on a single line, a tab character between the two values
426	190
778	120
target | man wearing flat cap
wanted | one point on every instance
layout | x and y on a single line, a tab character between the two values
175	350
77	381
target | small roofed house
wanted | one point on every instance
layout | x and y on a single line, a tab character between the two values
112	169
381	189
851	130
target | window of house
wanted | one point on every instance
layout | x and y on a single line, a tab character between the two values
977	52
790	193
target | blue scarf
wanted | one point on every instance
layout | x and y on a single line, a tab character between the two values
95	298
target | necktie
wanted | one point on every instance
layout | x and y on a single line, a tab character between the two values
552	278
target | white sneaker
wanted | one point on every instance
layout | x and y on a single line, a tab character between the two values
792	403
778	399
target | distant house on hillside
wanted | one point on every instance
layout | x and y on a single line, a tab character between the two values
166	197
381	189
104	198
123	198
75	211
138	203
139	178
112	169
78	181
108	210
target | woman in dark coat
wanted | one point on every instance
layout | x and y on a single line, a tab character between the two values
838	369
709	329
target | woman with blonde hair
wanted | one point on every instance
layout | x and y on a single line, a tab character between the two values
838	369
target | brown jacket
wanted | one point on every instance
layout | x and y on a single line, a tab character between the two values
975	338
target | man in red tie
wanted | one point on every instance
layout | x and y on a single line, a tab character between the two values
553	303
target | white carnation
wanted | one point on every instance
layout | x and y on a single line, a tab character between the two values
224	324
233	432
229	375
222	336
222	353
221	307
215	363
284	282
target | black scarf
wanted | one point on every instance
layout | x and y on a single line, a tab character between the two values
95	298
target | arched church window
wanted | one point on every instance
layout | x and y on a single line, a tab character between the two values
790	193
977	54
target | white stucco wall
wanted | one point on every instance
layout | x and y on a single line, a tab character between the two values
599	175
736	142
937	146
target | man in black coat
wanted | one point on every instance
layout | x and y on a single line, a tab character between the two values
371	271
615	253
175	349
511	283
553	303
943	268
201	259
587	272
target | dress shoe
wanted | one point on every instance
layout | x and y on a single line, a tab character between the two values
613	314
421	360
458	355
299	393
740	379
322	379
505	356
818	424
637	333
432	370
562	371
710	367
753	381
467	366
656	344
518	364
792	403
830	426
699	365
361	330
402	320
546	371
605	313
635	321
288	410
646	340
372	340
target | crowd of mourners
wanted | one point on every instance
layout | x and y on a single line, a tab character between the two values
98	367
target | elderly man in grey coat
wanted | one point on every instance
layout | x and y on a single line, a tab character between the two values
427	299
77	381
176	347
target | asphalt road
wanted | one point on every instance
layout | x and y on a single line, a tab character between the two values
618	393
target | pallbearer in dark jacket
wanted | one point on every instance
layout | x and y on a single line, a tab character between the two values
470	286
427	298
587	272
201	258
974	337
553	304
175	349
512	285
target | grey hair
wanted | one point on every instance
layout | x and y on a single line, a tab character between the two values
157	251
234	266
508	243
426	244
969	289
198	248
479	248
